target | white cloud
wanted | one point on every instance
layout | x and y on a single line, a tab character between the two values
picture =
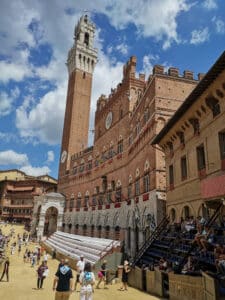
7	100
10	157
13	71
35	171
210	4
199	36
45	120
122	48
148	61
152	18
51	156
219	24
41	120
8	137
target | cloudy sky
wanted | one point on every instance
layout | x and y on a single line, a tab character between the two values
35	36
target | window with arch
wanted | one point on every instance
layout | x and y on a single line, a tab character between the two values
78	202
146	115
183	164
146	182
94	202
222	144
129	191
172	215
86	38
109	197
171	176
86	201
137	187
201	157
186	212
120	147
213	103
118	194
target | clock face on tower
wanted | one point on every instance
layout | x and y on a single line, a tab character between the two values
108	120
63	156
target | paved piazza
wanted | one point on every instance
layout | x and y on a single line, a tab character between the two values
22	281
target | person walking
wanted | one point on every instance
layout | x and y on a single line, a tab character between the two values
80	269
87	280
126	270
5	270
63	282
42	272
102	275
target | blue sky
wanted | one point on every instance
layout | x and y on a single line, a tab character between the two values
35	37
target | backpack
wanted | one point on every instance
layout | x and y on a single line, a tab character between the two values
87	276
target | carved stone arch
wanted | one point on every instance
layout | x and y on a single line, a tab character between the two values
120	138
187	210
137	173
72	196
173	214
161	119
90	157
75	164
87	193
79	195
95	191
111	144
146	166
82	161
104	148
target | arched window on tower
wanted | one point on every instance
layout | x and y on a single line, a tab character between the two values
86	38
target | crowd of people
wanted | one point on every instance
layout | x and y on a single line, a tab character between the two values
64	283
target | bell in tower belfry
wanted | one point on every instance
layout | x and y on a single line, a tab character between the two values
82	58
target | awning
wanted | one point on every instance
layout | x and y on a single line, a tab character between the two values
20	189
213	187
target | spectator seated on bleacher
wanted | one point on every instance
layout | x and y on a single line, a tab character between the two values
219	253
189	224
163	264
207	239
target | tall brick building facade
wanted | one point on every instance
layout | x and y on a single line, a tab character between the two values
116	188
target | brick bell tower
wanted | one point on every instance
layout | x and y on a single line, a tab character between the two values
81	61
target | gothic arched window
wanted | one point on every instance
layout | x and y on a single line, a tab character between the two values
86	38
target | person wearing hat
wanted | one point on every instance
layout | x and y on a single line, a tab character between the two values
102	275
80	269
126	270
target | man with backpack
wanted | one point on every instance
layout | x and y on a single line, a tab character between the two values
63	282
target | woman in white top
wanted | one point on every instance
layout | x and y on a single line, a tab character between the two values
87	280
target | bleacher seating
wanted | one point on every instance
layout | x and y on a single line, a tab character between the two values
71	245
173	245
